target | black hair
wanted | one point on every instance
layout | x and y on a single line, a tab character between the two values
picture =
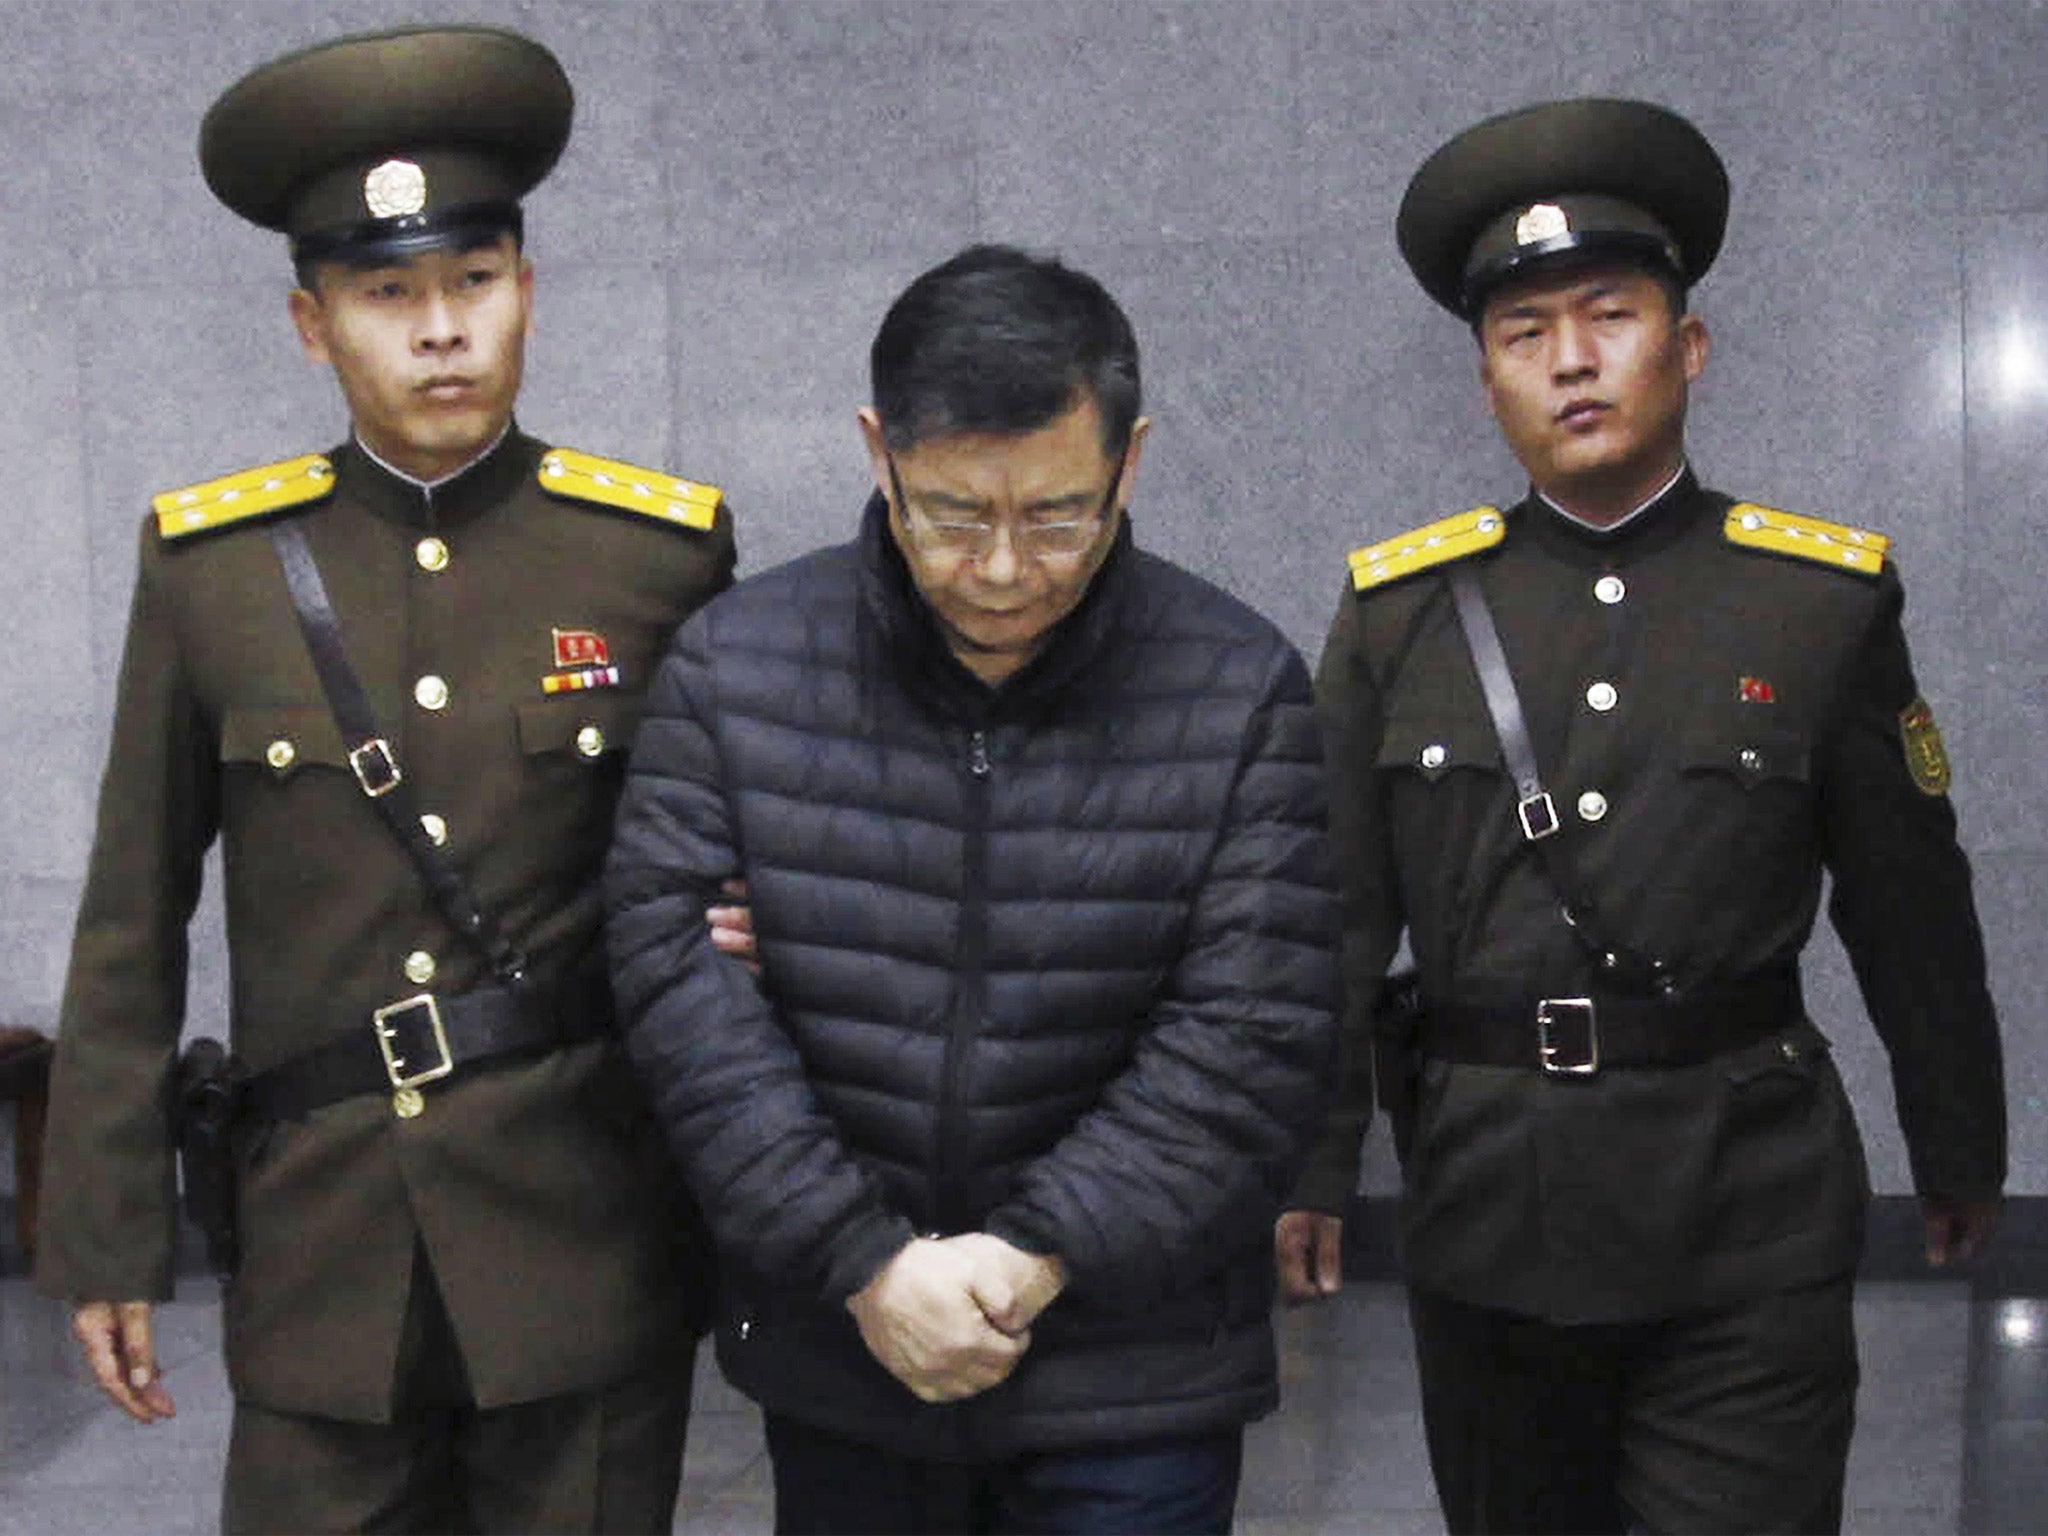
1003	341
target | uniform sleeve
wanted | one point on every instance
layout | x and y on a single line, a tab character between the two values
1348	705
1186	1158
110	1204
783	1196
1903	908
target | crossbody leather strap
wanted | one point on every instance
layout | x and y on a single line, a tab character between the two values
375	765
1534	808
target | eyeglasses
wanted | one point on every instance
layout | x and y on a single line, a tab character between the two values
969	538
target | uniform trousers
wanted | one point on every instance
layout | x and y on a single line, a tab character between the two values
1735	1419
599	1461
828	1485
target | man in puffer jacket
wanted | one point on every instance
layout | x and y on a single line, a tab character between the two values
1033	825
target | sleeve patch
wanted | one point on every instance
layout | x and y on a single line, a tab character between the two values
237	497
629	488
1926	753
1453	538
1808	538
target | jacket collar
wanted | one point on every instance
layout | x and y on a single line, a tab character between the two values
451	502
1656	526
902	622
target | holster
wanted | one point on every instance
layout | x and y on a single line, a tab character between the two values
207	1095
1397	1016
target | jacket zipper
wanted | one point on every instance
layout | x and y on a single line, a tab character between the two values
947	1212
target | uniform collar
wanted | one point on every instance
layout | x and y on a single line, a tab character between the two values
446	503
1659	522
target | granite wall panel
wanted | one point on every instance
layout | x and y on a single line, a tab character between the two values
750	184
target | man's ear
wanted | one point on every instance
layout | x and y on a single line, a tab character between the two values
1127	482
878	450
309	319
1486	384
1698	344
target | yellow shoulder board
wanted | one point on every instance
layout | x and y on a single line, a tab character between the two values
649	492
1451	539
234	498
1810	538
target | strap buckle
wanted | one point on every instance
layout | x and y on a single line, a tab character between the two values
376	769
1538	815
417	1017
1567	1036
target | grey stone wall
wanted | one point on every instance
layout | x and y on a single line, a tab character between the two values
750	183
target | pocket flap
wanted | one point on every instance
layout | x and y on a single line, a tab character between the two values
1435	747
282	738
592	724
1750	754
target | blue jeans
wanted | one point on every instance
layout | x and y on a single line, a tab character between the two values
825	1483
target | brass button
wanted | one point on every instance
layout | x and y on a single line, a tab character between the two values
1435	755
1592	805
1610	590
1602	697
280	754
407	1103
430	692
432	554
436	828
419	967
590	741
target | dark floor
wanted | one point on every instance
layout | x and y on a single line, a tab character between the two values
1953	1432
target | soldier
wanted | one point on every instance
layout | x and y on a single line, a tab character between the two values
397	680
1593	753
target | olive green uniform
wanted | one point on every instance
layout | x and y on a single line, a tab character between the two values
1719	723
553	1228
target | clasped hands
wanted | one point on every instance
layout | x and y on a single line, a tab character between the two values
950	1317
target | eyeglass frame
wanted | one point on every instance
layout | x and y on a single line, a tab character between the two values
1017	535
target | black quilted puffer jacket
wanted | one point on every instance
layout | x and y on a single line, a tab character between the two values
1054	960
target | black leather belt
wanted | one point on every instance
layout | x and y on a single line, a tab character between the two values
425	1038
1578	1036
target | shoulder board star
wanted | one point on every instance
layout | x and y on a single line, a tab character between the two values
649	492
1809	538
1452	538
239	497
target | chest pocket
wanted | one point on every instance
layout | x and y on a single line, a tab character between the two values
284	741
592	726
1747	755
1433	749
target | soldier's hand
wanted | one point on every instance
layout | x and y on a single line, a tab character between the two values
1957	1230
1009	1285
120	1348
919	1318
732	928
1309	1248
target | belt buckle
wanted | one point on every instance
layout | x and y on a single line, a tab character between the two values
376	769
1567	1036
403	1013
1538	815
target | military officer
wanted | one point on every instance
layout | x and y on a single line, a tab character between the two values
1593	751
396	679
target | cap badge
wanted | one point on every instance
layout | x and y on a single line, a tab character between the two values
1541	221
395	189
